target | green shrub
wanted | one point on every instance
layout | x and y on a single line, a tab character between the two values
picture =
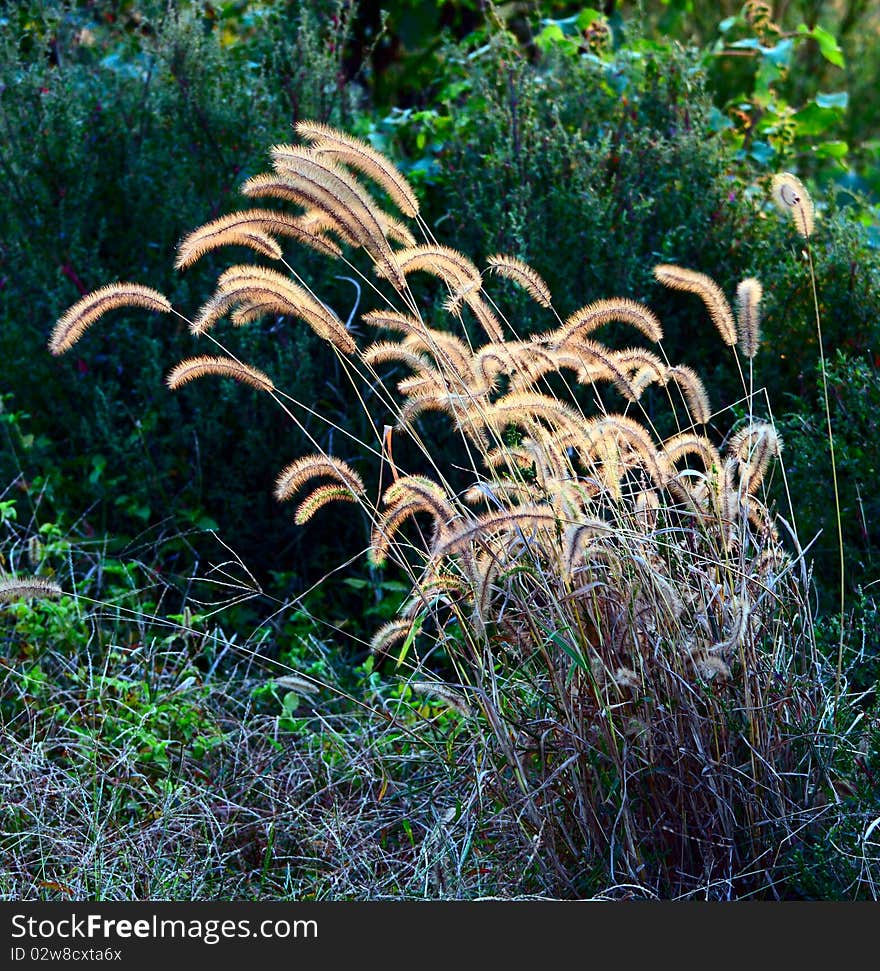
854	388
156	117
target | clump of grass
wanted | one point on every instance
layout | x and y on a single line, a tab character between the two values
143	755
622	621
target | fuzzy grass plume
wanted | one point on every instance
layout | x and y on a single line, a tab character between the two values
615	604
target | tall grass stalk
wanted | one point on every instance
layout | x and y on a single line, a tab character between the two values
790	195
611	610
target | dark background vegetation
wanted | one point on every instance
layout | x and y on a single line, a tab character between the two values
591	143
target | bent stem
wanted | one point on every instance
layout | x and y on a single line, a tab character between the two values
839	672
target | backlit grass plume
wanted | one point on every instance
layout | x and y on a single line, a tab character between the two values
13	588
790	195
75	321
615	600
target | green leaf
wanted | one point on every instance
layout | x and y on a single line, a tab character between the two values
99	463
551	36
356	583
839	99
836	150
556	638
588	16
828	46
718	121
749	43
780	54
410	639
762	152
813	120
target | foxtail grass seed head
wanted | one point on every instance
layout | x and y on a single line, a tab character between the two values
748	316
389	634
357	154
292	478
690	281
790	195
28	588
318	499
74	323
522	274
198	367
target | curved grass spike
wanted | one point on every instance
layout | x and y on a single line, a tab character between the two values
322	185
258	290
389	634
521	273
227	367
640	367
359	155
694	392
621	429
393	320
294	476
418	487
690	281
688	443
754	447
583	322
337	192
385	351
449	352
528	407
28	588
598	364
208	238
395	230
387	525
455	269
252	227
523	358
450	698
318	499
78	318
